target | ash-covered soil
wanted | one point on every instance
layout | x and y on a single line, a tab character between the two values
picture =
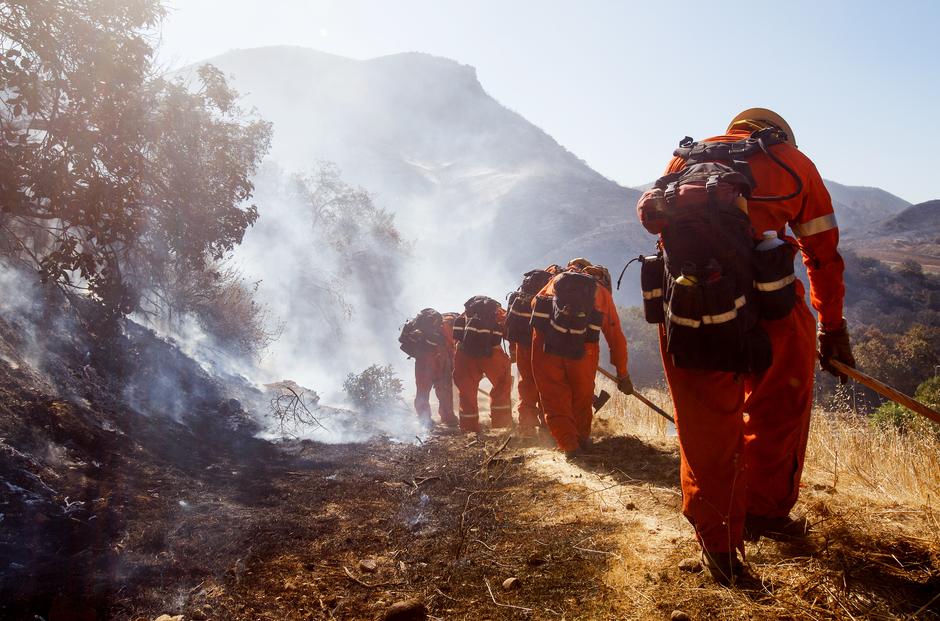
112	509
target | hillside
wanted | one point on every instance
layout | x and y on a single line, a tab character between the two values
457	168
857	207
910	235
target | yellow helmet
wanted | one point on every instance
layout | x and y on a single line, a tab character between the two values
579	263
758	116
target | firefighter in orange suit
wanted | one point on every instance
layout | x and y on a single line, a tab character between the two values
566	385
529	408
743	437
480	354
434	369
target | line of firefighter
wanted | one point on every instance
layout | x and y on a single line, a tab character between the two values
553	327
737	339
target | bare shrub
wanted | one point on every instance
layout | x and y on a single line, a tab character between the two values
374	389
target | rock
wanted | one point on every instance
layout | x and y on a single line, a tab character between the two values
407	610
169	618
511	583
691	565
368	565
678	615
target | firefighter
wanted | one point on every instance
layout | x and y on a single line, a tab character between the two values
568	316
743	435
519	335
429	339
478	332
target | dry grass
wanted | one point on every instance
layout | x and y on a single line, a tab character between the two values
872	495
856	457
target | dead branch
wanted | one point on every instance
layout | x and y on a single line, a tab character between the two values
290	409
492	597
350	575
489	459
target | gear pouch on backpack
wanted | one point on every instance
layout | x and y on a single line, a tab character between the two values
683	324
652	281
704	330
479	338
518	328
722	329
774	281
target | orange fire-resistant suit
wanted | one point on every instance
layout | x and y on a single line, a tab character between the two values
435	369
743	437
530	408
468	371
566	386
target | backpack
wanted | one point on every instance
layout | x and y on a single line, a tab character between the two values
477	330
519	316
421	334
712	278
567	320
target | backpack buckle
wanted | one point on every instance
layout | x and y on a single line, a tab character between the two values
712	184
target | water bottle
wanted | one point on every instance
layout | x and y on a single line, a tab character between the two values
769	241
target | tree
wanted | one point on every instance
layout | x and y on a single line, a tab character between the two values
114	183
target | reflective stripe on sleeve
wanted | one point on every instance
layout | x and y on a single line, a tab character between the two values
652	295
775	285
515	312
540	315
815	226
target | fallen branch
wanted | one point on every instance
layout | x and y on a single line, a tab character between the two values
489	459
350	575
492	597
616	556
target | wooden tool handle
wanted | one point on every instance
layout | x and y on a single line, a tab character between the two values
642	399
887	391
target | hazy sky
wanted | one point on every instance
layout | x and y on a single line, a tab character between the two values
619	83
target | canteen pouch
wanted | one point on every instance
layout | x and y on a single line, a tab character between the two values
652	282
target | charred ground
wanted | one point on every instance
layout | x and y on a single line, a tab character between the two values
123	501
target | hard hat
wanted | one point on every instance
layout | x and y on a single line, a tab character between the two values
579	263
766	116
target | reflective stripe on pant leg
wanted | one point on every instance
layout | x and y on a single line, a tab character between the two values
467	376
555	395
779	410
709	408
424	379
528	391
498	370
581	375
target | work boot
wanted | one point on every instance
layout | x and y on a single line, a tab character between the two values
574	454
724	567
782	528
586	444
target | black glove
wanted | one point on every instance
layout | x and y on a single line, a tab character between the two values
834	345
624	385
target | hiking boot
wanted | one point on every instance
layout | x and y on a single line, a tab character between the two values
574	454
777	528
586	444
724	567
